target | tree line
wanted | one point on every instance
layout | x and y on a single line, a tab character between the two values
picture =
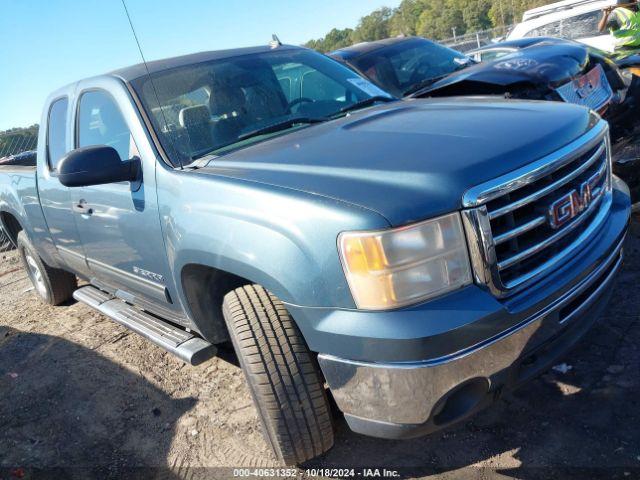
17	140
436	19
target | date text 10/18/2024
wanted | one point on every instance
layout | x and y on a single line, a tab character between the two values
316	472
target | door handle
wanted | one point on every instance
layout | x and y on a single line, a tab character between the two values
82	208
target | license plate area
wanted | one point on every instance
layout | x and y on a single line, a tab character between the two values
591	90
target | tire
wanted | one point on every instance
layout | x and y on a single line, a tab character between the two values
54	286
282	374
5	242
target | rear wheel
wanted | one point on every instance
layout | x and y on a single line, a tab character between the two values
55	286
282	374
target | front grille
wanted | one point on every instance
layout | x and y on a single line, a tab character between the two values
527	222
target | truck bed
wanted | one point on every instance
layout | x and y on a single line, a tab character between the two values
8	169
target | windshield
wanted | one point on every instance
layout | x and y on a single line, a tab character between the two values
217	106
402	67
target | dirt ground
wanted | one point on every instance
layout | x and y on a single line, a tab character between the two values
82	394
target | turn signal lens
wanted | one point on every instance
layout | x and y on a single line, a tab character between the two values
392	268
635	71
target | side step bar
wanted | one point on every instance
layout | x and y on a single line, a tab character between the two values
186	346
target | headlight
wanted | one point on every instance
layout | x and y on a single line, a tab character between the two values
635	71
392	268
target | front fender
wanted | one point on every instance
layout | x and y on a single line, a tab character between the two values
282	239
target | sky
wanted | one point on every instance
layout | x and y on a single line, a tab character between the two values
46	44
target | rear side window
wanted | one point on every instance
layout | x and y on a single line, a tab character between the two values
100	122
57	132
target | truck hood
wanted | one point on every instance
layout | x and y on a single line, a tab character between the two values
409	160
545	63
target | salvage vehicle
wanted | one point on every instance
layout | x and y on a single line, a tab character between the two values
418	258
571	19
27	158
534	69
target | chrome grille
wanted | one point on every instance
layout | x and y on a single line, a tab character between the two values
523	224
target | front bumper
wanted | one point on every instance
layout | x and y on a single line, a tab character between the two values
412	371
405	400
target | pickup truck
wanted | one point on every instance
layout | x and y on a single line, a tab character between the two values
413	260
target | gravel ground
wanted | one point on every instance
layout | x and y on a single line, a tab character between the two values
82	394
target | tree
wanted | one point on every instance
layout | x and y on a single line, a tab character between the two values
374	26
332	41
405	18
439	19
338	39
17	140
475	14
507	12
435	19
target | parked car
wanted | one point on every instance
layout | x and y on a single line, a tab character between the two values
571	19
22	159
26	159
492	51
419	258
533	68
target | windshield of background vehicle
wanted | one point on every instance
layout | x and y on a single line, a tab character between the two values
399	67
217	106
572	28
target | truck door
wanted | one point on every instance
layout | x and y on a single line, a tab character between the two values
118	223
55	198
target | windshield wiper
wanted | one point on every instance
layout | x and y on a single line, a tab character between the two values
366	103
271	128
278	126
421	85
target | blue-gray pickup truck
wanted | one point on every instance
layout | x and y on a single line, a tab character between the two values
412	259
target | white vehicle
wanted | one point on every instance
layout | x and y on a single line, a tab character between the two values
573	19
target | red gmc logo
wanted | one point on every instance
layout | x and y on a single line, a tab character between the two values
573	203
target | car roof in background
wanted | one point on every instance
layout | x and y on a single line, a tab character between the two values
133	72
26	153
519	43
365	47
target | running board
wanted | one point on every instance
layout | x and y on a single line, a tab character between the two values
185	345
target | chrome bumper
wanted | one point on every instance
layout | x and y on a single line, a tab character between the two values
393	395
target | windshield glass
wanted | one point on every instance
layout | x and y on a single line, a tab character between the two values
212	107
401	67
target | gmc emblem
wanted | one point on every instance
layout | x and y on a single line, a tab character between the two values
573	203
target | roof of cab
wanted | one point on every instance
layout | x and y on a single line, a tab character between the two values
133	72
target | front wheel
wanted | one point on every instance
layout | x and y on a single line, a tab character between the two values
282	374
54	286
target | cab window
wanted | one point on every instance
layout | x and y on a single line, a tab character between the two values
57	132
302	84
100	122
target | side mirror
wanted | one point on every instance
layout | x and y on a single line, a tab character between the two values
96	165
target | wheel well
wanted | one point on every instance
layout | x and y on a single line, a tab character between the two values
11	226
204	288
